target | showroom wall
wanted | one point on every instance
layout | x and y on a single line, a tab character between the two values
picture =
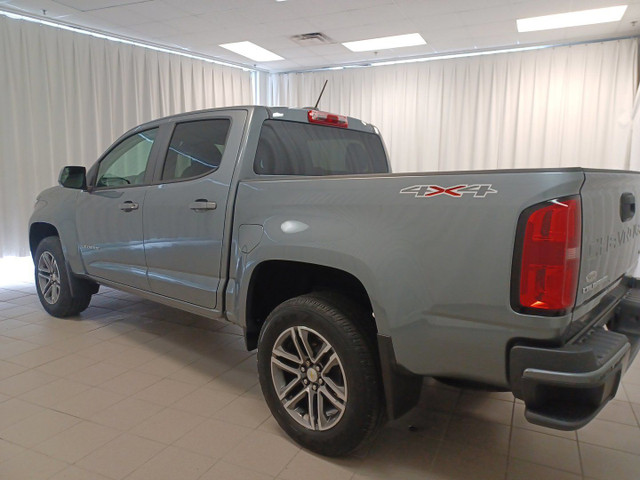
553	107
65	97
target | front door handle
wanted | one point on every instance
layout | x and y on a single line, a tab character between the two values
128	206
202	205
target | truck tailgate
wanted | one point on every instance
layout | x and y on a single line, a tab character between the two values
610	230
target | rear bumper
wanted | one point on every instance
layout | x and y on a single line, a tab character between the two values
566	387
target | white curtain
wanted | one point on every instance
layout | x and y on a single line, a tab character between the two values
65	97
555	107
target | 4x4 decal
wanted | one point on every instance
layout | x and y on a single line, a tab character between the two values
426	191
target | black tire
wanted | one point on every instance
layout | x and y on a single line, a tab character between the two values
52	281
321	320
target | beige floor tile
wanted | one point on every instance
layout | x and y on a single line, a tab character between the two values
228	471
605	464
611	435
247	412
462	461
132	357
488	435
263	453
78	441
309	466
38	428
173	463
204	401
522	470
167	363
30	465
166	392
74	473
8	369
37	357
130	382
67	365
213	438
235	381
14	410
126	414
167	426
102	350
548	450
88	403
24	382
619	412
9	450
395	455
633	392
55	392
121	456
16	347
98	373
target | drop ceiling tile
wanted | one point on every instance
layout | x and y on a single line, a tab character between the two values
488	15
287	29
88	5
154	30
52	9
118	16
420	8
452	45
495	28
496	41
439	22
156	11
542	7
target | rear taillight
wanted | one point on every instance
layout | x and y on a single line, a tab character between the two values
547	257
325	118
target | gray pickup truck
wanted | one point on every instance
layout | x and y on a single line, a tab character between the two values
353	282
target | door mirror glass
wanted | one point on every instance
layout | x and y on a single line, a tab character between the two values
73	177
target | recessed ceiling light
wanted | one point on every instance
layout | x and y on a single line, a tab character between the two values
571	19
252	51
382	43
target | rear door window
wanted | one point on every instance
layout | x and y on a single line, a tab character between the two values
196	148
291	148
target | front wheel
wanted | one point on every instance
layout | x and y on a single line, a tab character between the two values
319	375
52	281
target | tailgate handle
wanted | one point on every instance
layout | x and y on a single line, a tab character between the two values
627	206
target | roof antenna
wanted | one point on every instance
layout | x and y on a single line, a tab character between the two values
321	92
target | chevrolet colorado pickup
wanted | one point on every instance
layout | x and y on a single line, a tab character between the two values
352	282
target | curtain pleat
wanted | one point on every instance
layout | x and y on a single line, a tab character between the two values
65	97
554	107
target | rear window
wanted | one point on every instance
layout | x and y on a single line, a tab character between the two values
290	148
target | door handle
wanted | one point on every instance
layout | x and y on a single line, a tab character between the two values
202	205
128	206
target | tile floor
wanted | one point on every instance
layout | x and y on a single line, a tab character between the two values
134	390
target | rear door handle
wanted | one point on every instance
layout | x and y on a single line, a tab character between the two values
128	206
202	205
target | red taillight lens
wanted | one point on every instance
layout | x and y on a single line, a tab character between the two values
551	256
325	118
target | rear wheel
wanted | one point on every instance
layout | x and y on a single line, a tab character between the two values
52	281
318	371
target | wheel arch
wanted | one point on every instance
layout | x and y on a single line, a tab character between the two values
39	231
275	281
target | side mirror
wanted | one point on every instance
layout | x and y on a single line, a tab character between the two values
73	177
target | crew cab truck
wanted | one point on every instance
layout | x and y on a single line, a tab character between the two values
352	282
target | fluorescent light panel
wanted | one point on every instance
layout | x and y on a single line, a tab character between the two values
382	43
571	19
252	51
